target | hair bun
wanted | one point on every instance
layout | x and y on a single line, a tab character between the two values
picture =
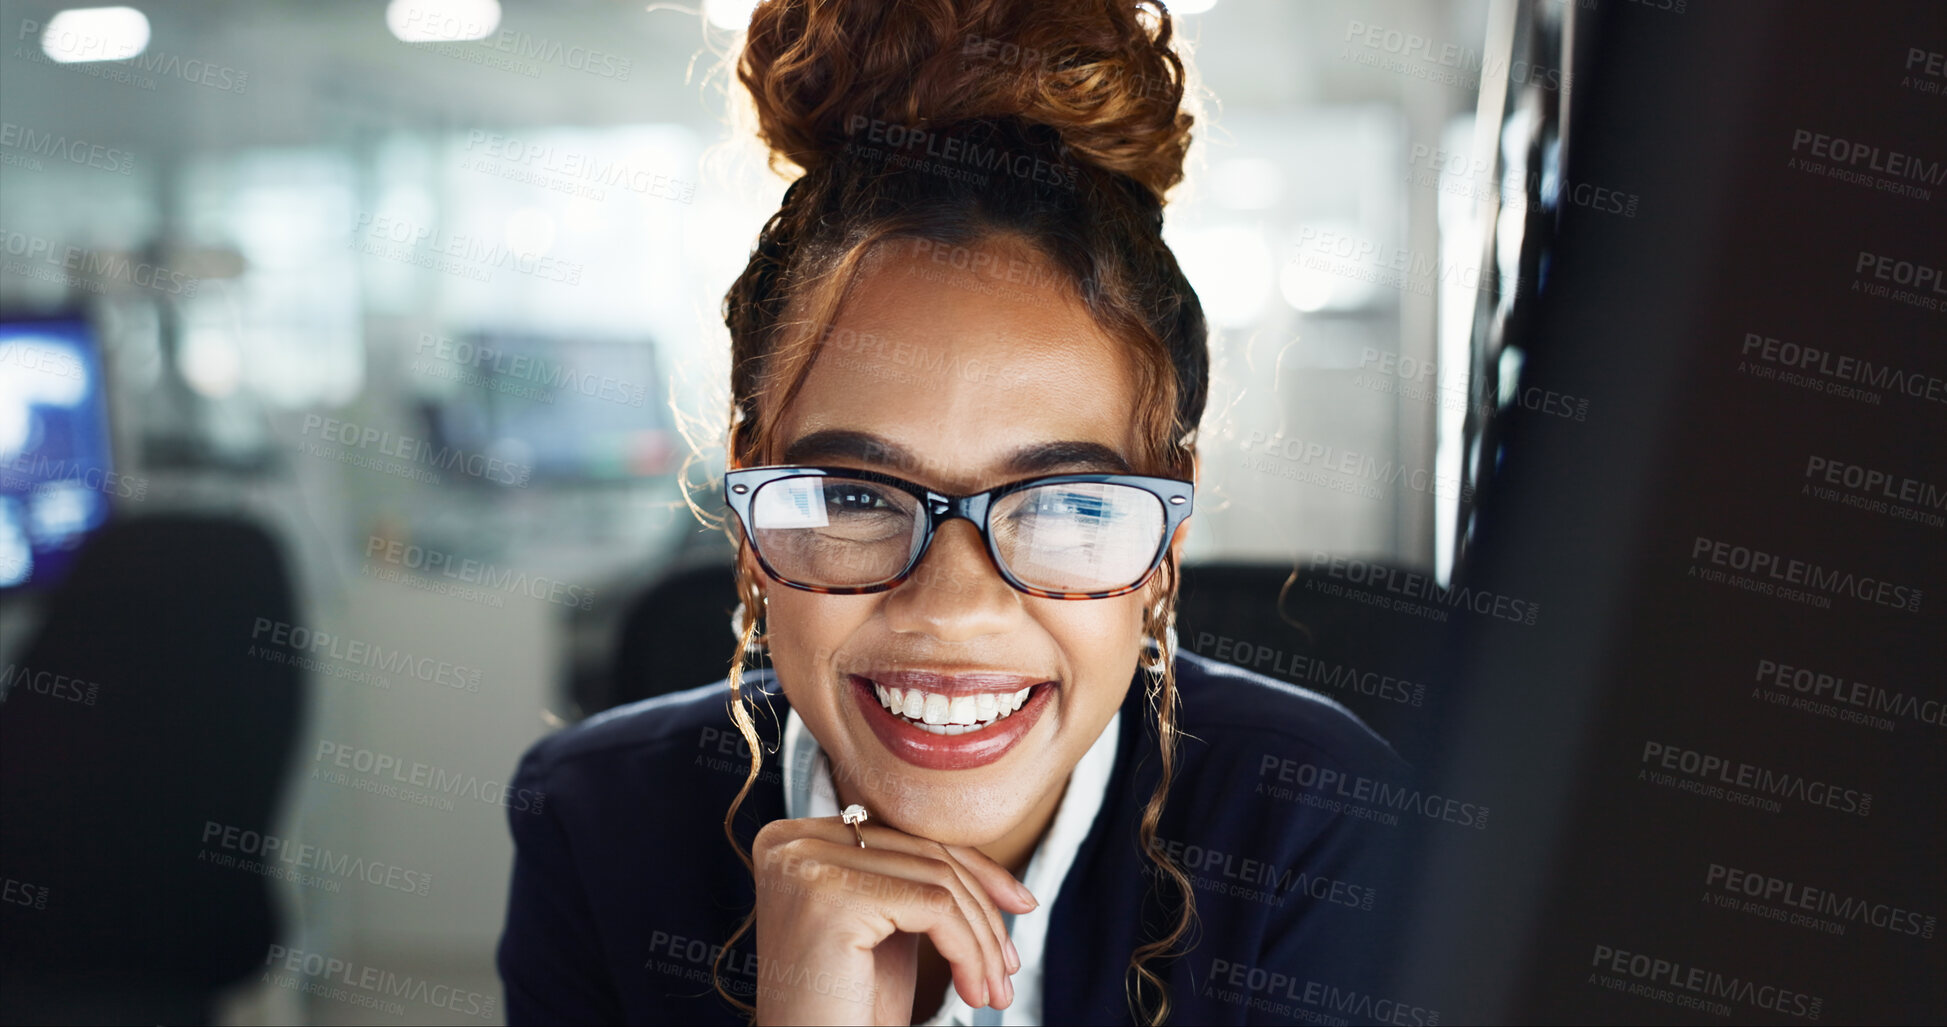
1102	73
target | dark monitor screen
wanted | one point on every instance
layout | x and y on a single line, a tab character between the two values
57	476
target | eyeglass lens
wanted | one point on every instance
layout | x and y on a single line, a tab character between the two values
836	532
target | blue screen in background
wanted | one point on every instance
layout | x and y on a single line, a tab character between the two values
56	467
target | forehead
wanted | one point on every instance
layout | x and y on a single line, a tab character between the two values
961	358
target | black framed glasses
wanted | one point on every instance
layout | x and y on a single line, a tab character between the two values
846	531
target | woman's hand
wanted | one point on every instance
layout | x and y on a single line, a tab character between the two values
838	926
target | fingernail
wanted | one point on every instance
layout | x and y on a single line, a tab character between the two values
1013	957
1010	989
1026	895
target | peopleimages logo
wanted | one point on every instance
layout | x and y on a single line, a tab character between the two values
1835	374
435	780
499	366
88	269
1920	285
305	861
1819	689
370	986
465	256
354	436
1711	775
1414	585
47	683
88	53
1697	984
1309	670
508	49
1225	873
290	638
60	148
23	893
1771	567
433	562
955	150
579	173
1303	1000
1892	171
1359	795
1875	491
1820	909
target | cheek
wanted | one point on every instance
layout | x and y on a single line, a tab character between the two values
805	629
1097	636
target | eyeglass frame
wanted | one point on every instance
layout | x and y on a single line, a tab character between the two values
740	487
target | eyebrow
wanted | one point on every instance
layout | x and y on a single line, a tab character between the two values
865	447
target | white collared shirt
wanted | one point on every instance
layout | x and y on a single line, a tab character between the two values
809	792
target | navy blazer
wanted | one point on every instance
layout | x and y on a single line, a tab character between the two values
624	887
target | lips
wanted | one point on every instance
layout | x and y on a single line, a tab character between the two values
945	721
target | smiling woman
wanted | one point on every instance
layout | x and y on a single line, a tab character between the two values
966	378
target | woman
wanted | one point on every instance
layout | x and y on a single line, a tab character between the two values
976	782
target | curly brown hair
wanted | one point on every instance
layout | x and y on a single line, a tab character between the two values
1055	125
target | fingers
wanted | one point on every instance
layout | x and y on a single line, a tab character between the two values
949	898
953	894
1006	889
957	940
987	908
984	907
1002	887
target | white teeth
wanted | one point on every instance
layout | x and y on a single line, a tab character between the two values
948	729
934	712
950	715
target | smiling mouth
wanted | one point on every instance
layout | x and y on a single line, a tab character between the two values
941	714
951	720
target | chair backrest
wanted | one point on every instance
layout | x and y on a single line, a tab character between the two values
1374	661
675	634
136	717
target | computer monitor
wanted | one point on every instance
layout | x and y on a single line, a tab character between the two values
573	408
58	481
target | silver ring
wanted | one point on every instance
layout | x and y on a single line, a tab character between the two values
855	815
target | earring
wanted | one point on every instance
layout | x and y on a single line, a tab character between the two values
738	619
1165	645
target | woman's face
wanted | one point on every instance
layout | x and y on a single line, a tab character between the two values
959	380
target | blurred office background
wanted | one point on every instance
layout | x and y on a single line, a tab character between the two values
261	258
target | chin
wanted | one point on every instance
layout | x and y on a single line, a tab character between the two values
968	815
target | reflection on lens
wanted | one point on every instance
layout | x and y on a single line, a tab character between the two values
834	532
1079	536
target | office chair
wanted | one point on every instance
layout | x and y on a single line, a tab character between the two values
105	806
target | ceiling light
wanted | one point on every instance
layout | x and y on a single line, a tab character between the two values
729	15
442	21
95	34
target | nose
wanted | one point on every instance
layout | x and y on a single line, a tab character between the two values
956	593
